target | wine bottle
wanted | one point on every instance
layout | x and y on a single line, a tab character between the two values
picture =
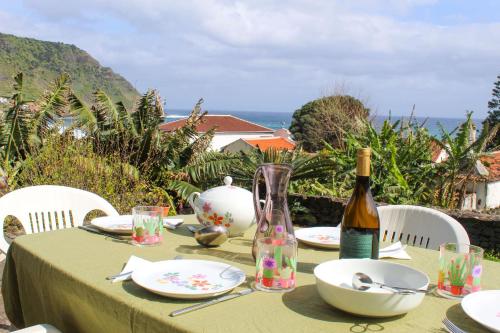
359	235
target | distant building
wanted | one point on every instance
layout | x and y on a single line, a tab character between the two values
483	188
228	129
488	189
438	153
263	144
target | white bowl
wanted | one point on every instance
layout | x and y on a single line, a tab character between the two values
334	283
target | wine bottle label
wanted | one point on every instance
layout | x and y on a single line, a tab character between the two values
355	245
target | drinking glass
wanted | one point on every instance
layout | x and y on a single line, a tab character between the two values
460	269
147	224
276	264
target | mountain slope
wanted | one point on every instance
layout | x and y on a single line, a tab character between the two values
41	62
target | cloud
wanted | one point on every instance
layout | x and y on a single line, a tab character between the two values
272	55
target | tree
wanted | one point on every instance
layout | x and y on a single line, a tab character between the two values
25	123
493	115
328	119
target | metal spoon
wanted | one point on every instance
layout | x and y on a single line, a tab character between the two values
211	236
361	281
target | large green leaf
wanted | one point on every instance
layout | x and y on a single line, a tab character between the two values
51	106
16	124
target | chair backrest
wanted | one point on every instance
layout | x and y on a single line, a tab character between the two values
419	226
50	207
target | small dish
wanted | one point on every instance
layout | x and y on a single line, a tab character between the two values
189	279
172	222
122	224
334	283
323	237
484	307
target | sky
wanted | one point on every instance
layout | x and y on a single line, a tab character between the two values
276	55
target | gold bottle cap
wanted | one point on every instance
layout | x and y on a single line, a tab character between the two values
363	163
364	152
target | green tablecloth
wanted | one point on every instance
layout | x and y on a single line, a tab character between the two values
58	277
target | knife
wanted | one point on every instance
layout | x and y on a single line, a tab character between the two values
92	230
211	302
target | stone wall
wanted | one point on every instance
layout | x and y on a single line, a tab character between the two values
483	229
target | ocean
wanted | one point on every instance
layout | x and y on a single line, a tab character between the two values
276	120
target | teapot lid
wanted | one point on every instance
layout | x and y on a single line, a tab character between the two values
226	192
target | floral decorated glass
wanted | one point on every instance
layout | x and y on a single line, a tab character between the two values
460	269
147	224
276	263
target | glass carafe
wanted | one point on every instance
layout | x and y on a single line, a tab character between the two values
273	220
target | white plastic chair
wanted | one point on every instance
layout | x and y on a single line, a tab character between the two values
419	226
50	207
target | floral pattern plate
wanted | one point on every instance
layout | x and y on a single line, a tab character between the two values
116	224
484	307
189	279
123	224
324	237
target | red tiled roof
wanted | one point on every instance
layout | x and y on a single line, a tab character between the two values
265	143
221	123
492	162
436	150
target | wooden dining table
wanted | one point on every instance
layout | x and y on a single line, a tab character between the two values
58	277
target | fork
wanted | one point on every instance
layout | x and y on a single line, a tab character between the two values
452	327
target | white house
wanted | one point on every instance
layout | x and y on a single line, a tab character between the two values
483	188
488	189
228	129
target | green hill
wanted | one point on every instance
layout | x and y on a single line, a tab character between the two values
41	62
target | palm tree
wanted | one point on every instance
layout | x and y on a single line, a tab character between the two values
135	135
305	166
177	161
49	109
25	123
15	125
209	168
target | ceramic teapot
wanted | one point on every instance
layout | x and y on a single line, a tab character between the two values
227	205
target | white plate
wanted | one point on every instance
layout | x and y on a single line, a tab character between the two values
484	307
123	224
189	279
117	224
325	237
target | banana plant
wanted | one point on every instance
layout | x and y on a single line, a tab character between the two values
401	162
16	124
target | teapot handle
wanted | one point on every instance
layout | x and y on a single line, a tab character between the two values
191	198
255	190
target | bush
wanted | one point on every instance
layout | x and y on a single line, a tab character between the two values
402	171
69	162
328	119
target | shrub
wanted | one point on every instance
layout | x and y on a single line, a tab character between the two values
328	119
69	162
402	170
